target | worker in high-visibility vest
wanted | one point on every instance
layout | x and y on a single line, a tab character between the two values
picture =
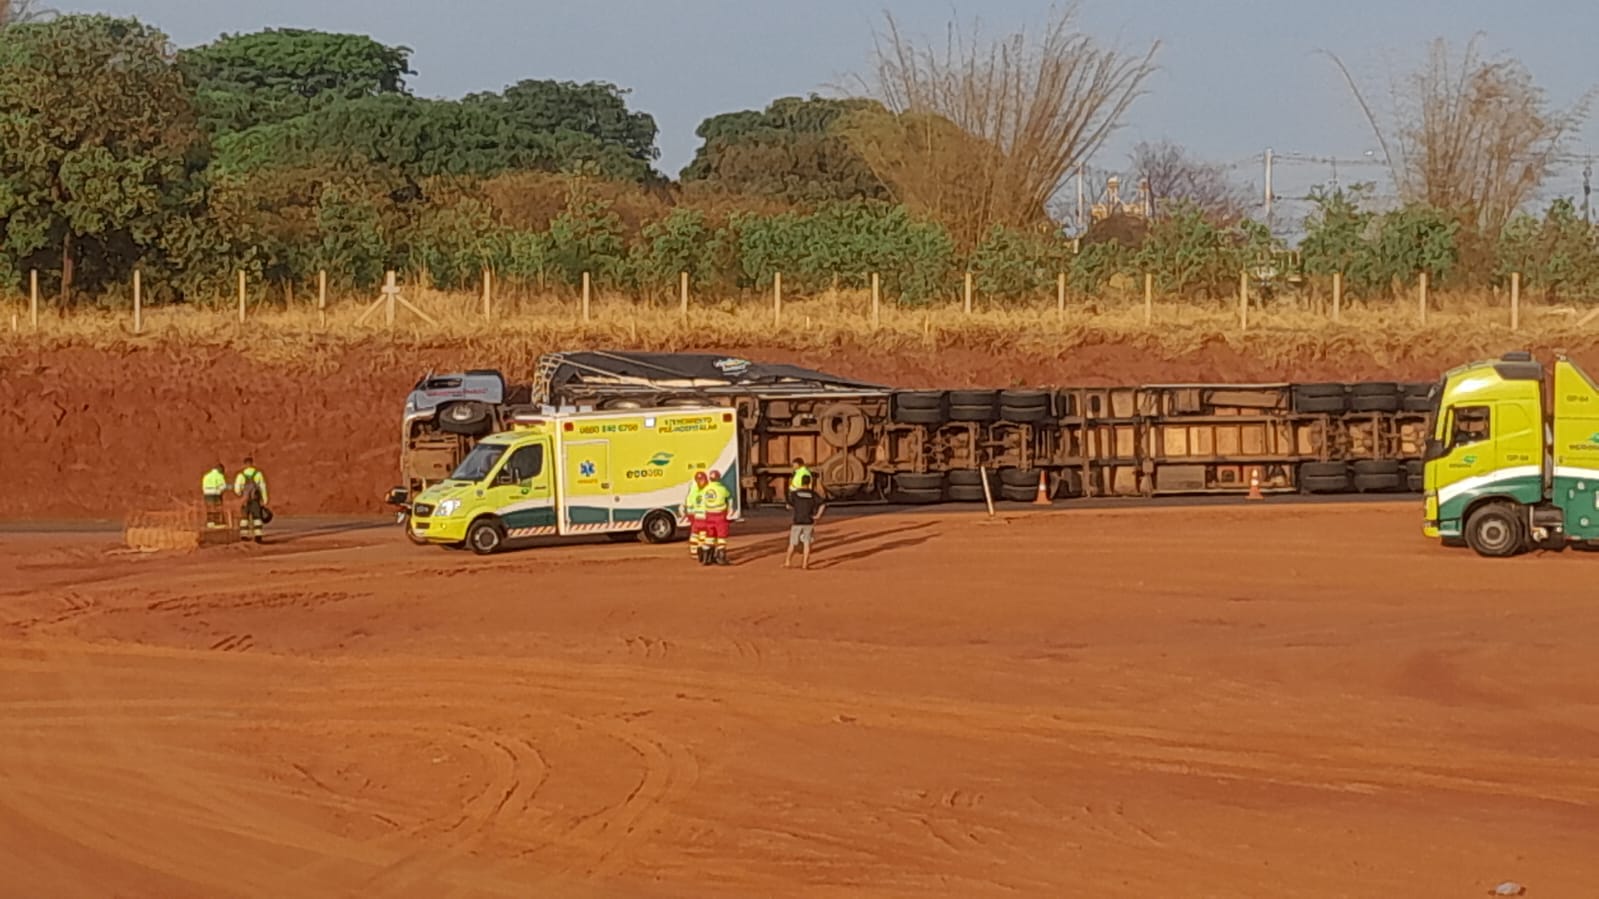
251	485
718	503
212	487
803	476
694	508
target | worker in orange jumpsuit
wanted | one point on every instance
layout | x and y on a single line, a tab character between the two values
717	501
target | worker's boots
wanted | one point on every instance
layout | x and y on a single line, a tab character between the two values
705	555
721	557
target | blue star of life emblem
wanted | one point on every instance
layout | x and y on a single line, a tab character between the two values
586	468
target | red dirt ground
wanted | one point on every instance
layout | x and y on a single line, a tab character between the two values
1243	701
95	434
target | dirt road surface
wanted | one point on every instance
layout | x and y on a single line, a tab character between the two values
1253	700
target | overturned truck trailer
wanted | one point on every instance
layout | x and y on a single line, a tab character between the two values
874	444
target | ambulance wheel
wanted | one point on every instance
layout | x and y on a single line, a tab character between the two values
485	536
1496	531
659	527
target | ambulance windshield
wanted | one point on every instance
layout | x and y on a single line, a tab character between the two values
478	463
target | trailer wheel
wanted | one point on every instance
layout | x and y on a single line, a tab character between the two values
843	425
965	477
972	405
932	417
485	536
1020	477
1325	483
1019	494
909	482
1415	397
966	494
919	407
1496	531
1323	470
1319	398
1024	406
922	496
659	527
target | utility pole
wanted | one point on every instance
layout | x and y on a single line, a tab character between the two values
1268	187
1587	188
1081	224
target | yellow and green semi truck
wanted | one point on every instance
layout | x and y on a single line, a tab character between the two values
1512	462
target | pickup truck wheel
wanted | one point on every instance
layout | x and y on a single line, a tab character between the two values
659	527
485	536
1496	531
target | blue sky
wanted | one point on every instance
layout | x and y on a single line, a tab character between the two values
1237	75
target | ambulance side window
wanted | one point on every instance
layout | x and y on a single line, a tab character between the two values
526	463
1468	424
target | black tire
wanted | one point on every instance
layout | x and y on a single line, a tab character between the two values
972	413
973	397
1323	470
1019	494
1415	468
1378	483
1319	390
966	494
933	417
1415	397
910	481
409	535
842	424
920	407
659	527
1377	467
920	497
1024	415
1496	531
622	403
1020	477
1325	484
965	477
1025	399
1067	482
1415	484
1320	404
485	536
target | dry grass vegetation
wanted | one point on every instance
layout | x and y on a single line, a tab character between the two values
1278	332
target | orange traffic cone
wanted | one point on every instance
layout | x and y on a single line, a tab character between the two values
1254	485
1043	490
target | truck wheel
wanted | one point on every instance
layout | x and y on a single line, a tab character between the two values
1496	531
659	527
966	494
1325	483
919	407
922	496
965	477
909	482
470	419
1319	398
485	536
1024	406
972	405
1415	397
843	425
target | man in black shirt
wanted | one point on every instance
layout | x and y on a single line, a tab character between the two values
807	510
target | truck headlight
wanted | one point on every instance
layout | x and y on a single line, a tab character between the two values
447	508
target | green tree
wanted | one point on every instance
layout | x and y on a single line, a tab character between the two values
793	150
1014	262
1555	255
271	76
568	111
99	150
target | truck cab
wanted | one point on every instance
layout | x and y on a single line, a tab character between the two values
1512	461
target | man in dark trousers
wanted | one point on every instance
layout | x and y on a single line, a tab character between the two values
808	508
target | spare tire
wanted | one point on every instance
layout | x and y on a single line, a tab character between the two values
843	470
470	418
842	424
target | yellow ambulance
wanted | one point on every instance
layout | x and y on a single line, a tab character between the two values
624	473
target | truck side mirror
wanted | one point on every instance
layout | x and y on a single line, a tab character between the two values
1434	449
397	496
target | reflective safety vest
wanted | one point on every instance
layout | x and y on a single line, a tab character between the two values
800	472
215	483
253	476
716	497
694	504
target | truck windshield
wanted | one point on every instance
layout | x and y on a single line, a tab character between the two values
478	463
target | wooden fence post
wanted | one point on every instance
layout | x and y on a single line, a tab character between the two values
1515	300
1060	296
33	298
391	290
682	295
1338	295
241	296
777	299
322	297
587	289
138	303
1243	301
1421	296
877	298
1149	297
967	294
488	294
